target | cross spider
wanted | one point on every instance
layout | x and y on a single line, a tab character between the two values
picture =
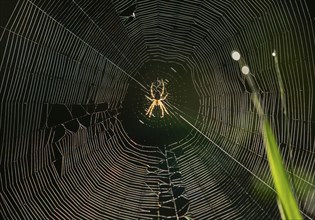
156	99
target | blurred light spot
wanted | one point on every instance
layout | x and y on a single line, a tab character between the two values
245	70
235	55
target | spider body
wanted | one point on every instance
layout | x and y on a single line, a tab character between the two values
157	99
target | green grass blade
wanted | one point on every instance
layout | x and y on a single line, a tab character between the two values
287	204
286	201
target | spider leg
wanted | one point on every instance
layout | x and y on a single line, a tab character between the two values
164	108
162	93
153	106
161	107
149	111
163	98
151	90
149	98
156	103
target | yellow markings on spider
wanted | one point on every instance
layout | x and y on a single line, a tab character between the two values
157	99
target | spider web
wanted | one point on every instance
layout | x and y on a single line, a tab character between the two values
75	140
